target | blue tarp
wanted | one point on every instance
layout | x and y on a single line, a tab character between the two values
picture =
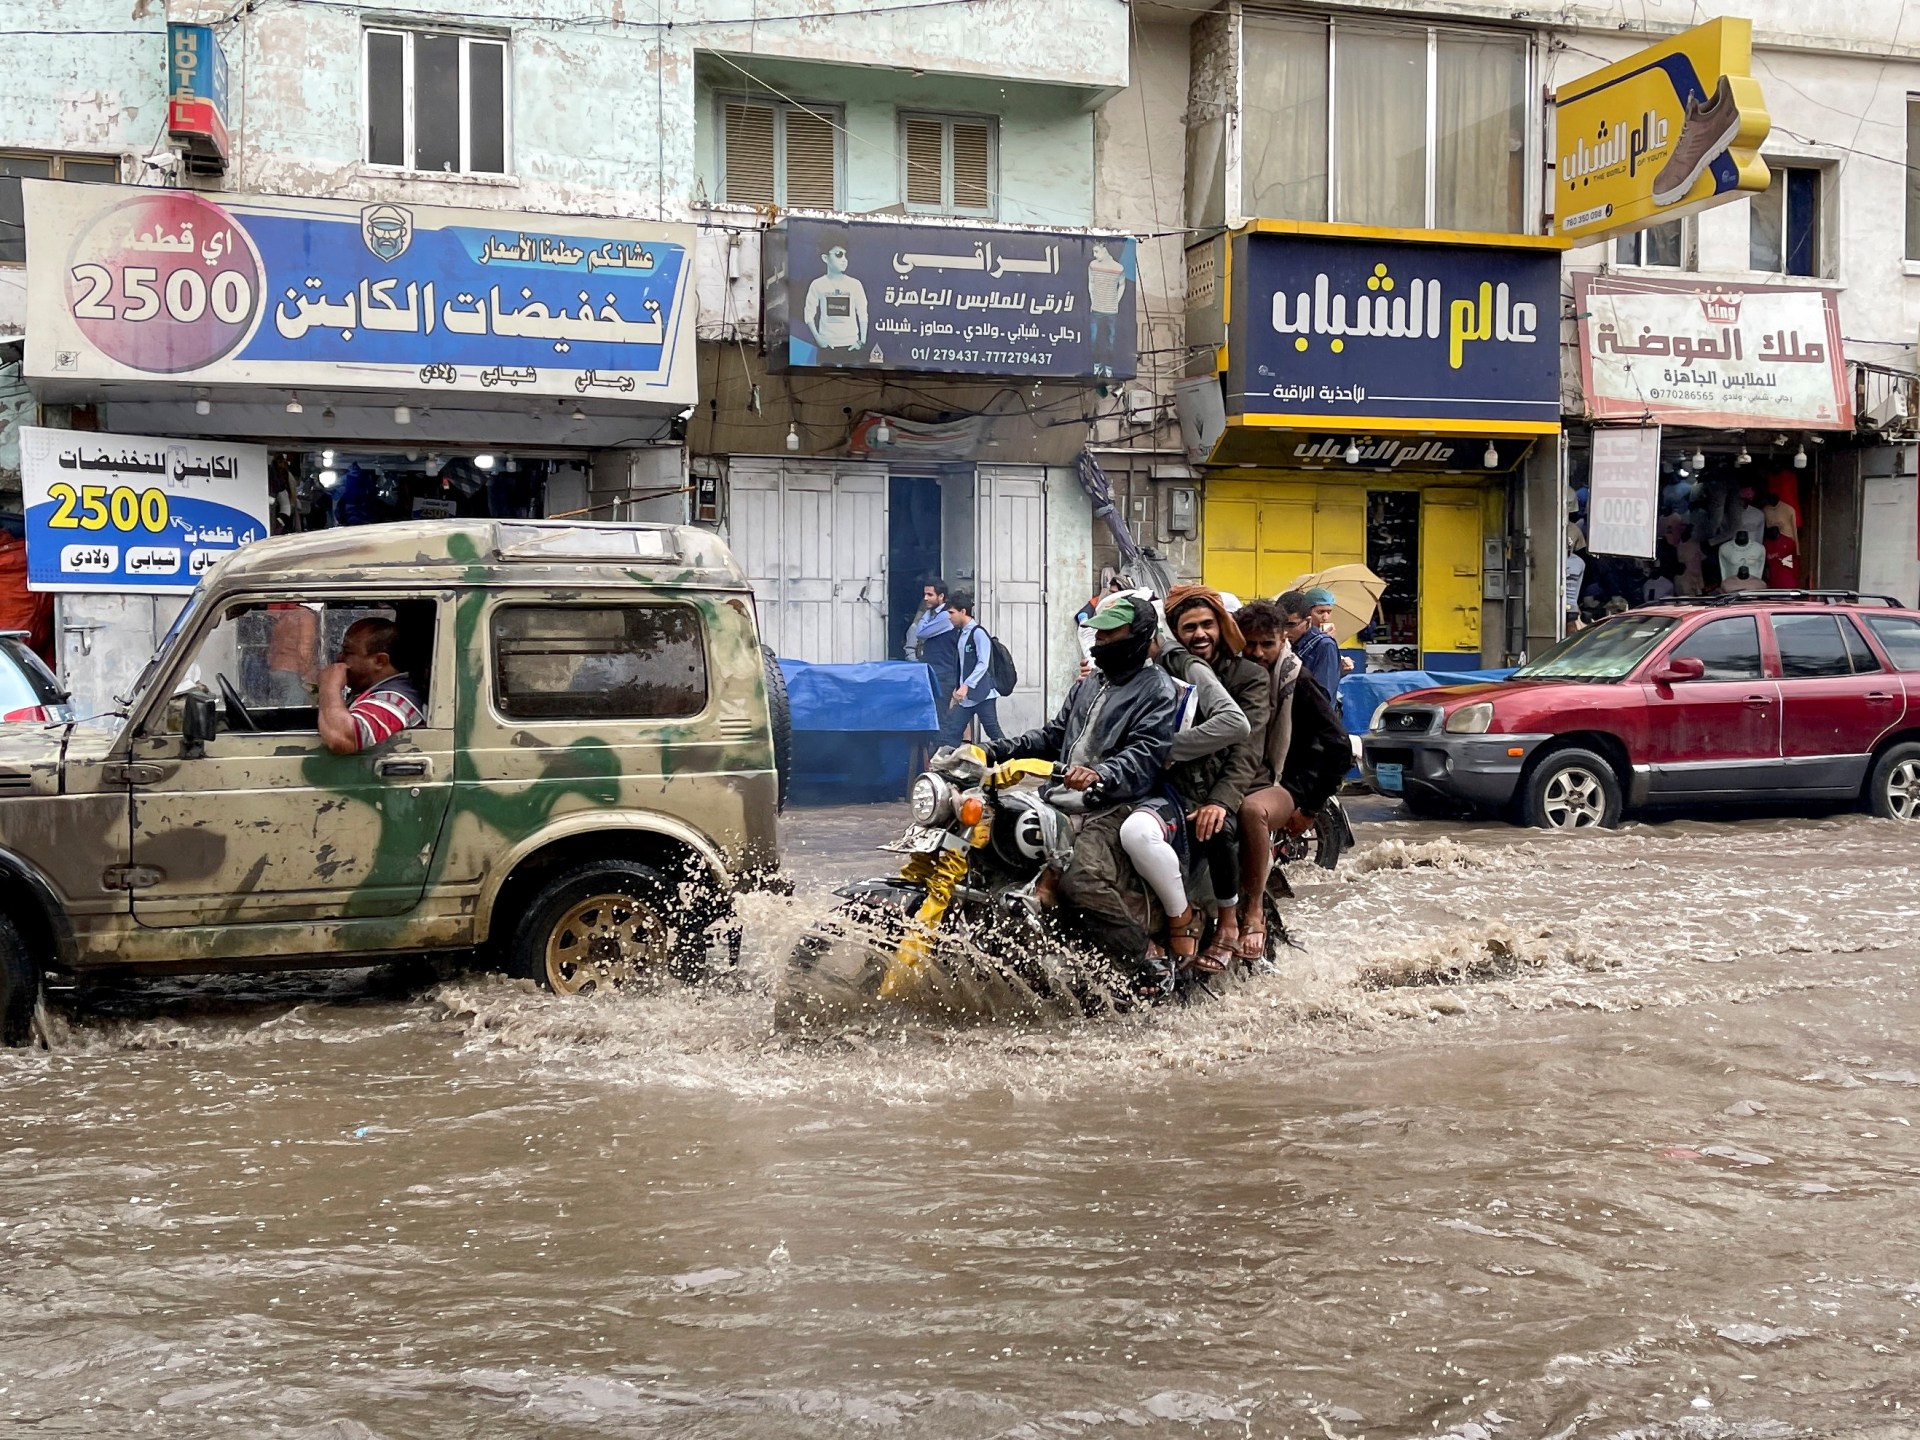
887	695
857	729
1360	695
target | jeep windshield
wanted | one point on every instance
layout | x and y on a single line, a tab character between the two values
1607	652
180	621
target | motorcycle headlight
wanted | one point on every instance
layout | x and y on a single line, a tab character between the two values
1474	719
930	801
1379	712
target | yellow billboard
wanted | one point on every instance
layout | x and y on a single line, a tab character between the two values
1673	129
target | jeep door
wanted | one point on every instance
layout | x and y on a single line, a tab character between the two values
264	824
1718	737
1837	702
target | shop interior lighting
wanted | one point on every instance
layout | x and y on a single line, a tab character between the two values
1699	459
578	414
1743	458
1781	439
1352	456
1492	457
513	466
882	433
202	407
326	458
402	415
1800	458
483	462
329	479
327	417
793	436
294	407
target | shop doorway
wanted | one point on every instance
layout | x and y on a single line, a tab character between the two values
913	551
1393	553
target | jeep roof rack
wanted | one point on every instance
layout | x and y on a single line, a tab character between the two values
1812	597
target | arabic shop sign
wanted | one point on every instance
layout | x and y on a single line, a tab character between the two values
322	294
197	96
1328	331
134	513
1624	496
1702	353
1409	454
1673	129
873	295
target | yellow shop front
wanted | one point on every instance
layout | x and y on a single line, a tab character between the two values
1380	390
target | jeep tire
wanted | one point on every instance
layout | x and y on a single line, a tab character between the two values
600	925
1571	790
19	986
1893	789
780	714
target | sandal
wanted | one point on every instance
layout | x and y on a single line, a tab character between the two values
1219	954
1252	948
1183	938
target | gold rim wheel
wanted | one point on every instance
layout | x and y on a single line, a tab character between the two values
604	942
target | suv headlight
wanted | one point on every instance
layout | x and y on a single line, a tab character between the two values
930	801
1475	719
1379	713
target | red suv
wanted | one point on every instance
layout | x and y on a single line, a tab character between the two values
1768	696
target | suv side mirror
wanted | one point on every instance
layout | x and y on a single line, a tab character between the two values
1679	670
199	721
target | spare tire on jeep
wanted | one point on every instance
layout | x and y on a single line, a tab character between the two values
781	714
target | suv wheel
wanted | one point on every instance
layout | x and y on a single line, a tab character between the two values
1893	792
597	927
19	986
1572	790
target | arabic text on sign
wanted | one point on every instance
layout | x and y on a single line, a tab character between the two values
1422	313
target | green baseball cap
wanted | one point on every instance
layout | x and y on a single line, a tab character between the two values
1116	613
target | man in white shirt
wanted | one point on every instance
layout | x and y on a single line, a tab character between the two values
836	308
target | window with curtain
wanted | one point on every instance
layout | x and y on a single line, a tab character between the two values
436	101
1421	126
1783	225
1658	245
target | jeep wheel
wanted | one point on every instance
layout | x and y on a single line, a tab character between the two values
1893	792
19	986
1572	790
597	926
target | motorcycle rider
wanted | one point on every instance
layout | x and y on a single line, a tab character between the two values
1213	786
1304	758
1113	733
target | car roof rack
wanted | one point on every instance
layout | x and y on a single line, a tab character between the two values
1810	597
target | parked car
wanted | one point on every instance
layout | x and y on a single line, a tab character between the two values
1767	696
592	778
29	692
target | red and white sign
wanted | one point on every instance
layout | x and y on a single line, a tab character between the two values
1623	502
1698	352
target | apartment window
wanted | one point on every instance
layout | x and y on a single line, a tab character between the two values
947	163
17	167
1913	177
1409	126
1783	228
1659	245
785	155
436	101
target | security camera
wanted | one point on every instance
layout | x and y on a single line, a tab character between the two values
166	160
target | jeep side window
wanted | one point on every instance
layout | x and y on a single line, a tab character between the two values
1729	648
599	662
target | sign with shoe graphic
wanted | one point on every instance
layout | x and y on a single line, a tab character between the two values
1671	130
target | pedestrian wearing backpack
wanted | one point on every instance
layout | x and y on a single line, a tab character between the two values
975	694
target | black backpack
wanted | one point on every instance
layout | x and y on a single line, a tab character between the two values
1001	668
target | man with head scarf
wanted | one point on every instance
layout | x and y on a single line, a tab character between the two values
1213	786
1113	735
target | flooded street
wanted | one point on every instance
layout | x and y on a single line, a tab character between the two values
1538	1135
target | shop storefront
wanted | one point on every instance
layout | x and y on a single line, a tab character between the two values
1747	470
916	371
379	362
1380	391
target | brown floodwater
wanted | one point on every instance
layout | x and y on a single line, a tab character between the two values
1597	1136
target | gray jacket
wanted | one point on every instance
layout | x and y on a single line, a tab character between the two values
1130	739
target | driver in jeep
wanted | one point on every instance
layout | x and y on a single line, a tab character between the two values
385	700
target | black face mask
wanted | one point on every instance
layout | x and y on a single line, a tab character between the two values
1120	659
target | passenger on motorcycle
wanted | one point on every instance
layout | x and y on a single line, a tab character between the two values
1113	734
1306	755
1212	787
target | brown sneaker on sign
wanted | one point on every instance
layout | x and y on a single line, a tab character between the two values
1707	130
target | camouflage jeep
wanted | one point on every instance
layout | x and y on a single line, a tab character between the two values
593	776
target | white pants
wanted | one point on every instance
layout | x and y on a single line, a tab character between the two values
1143	835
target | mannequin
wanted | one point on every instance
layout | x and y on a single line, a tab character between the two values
1743	564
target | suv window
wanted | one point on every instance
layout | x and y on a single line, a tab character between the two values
598	662
1729	648
1865	662
1810	647
1899	636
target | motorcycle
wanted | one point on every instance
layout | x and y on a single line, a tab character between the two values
962	926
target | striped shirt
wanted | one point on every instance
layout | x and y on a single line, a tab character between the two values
382	712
